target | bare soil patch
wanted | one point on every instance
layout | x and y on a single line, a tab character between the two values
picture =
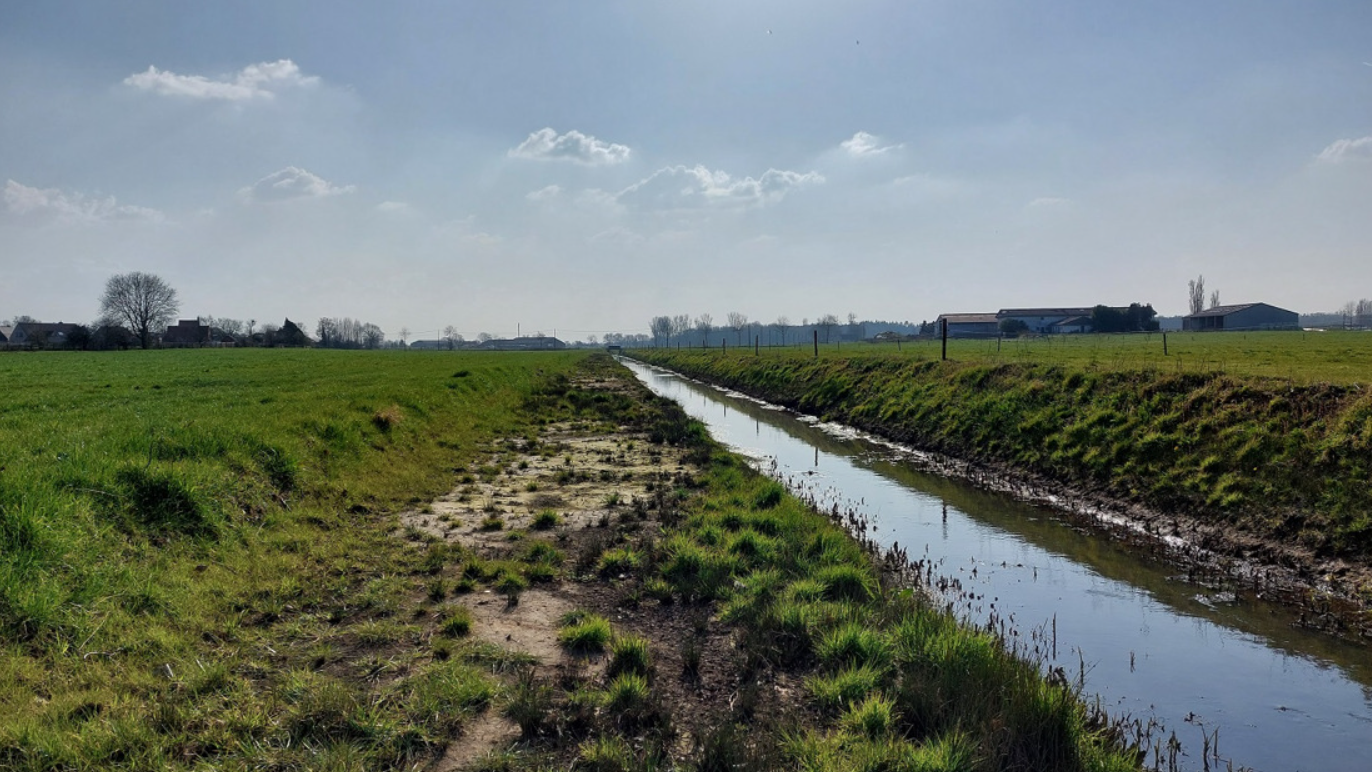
605	489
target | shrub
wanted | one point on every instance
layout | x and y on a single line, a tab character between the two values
546	520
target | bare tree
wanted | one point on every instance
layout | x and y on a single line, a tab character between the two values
781	324
140	301
1195	292
661	328
1215	299
451	337
737	322
827	323
704	324
404	336
680	324
484	337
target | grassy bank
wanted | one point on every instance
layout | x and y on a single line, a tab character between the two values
1281	461
201	567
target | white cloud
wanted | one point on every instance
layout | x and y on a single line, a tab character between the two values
864	145
1049	202
546	144
1347	150
393	206
544	194
256	81
291	183
53	204
684	187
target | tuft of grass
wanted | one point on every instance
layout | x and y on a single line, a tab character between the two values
457	623
584	633
629	654
614	562
546	520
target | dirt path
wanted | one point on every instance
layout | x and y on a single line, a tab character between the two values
589	480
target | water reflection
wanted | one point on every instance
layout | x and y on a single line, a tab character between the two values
1147	643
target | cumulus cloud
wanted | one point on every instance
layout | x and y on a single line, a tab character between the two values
1347	150
291	183
546	144
54	205
256	81
864	145
684	187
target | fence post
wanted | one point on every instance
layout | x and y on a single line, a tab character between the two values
816	332
945	339
1164	343
756	348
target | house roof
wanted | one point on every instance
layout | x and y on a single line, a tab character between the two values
968	318
48	327
1227	310
5	332
1075	321
1070	311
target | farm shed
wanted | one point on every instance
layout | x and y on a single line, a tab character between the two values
1044	320
970	325
1244	316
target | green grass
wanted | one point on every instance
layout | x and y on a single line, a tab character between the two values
185	535
1285	461
1303	358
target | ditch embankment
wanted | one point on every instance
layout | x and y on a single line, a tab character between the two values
1256	477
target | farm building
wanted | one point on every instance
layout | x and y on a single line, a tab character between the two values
527	343
1050	320
970	325
40	334
1244	316
190	332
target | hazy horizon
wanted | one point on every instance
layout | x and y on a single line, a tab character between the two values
585	167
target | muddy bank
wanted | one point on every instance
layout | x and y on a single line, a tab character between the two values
1212	546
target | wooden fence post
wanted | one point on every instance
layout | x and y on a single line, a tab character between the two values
945	339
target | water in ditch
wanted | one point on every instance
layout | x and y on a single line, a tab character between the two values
1231	676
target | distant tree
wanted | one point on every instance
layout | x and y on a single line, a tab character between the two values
1215	299
25	319
1015	327
737	322
680	324
451	337
1195	292
483	337
827	324
372	336
141	301
79	337
704	324
781	324
327	331
661	328
404	336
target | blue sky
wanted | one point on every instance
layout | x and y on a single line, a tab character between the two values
581	167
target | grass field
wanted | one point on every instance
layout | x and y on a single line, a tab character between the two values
202	567
1299	357
192	563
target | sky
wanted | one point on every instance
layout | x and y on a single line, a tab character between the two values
576	168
